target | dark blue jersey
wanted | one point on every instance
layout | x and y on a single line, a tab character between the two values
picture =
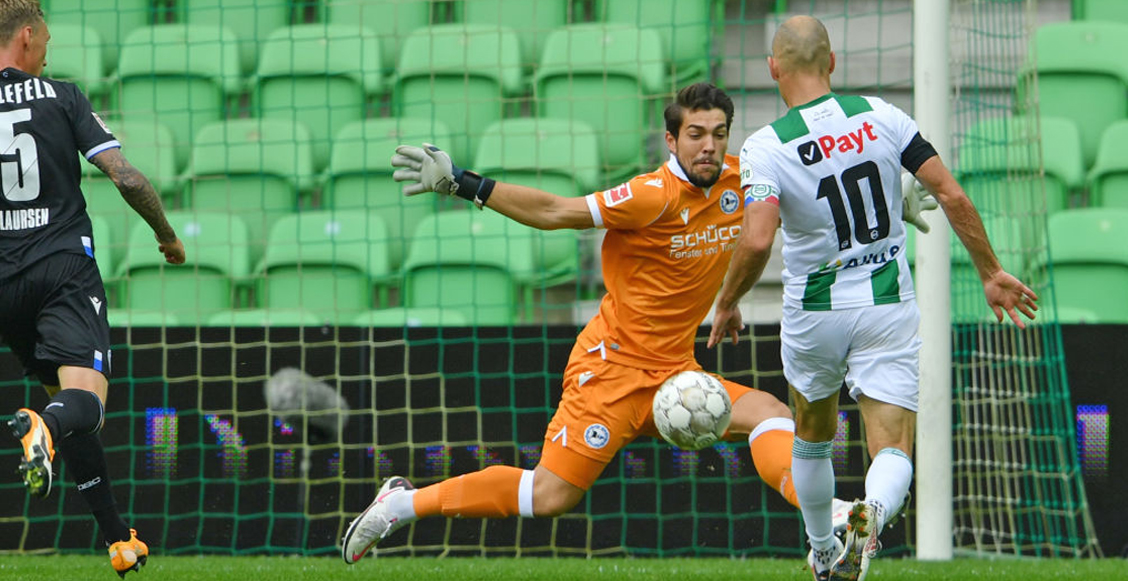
43	122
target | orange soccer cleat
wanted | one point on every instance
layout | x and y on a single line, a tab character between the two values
126	556
39	451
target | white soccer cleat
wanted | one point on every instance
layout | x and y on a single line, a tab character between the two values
862	529
839	515
375	522
821	561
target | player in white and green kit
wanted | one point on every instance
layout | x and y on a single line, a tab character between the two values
829	173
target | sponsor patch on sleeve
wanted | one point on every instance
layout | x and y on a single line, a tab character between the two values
617	195
100	122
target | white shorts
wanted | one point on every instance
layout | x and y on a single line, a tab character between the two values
875	349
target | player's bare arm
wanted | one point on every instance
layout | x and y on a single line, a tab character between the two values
432	170
753	249
139	193
1004	292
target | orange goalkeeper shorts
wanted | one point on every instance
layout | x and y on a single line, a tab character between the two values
605	406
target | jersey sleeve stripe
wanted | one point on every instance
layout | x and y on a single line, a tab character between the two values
593	207
100	148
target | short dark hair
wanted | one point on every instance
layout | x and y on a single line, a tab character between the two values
697	97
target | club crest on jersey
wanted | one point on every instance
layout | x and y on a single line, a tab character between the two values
617	195
729	201
597	436
812	152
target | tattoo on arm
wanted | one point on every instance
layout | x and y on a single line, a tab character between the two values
136	190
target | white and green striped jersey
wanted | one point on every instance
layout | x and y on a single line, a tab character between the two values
834	168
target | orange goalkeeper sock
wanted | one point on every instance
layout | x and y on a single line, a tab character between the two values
495	492
771	444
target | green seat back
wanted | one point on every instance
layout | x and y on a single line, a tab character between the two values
326	262
180	76
320	75
531	19
141	318
405	317
360	175
1001	171
1101	10
1090	261
254	168
1108	180
601	75
265	318
459	75
686	27
215	246
76	56
390	20
468	261
100	227
1080	62
251	21
113	19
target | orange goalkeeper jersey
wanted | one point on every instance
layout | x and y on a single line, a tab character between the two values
665	255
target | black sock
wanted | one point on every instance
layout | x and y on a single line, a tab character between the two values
72	411
86	462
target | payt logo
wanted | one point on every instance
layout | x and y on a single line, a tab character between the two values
812	152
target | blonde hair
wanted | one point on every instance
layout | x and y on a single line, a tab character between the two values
16	14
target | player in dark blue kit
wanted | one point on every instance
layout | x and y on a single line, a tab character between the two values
52	301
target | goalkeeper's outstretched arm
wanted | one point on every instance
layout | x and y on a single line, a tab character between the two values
429	169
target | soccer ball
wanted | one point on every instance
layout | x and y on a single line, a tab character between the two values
692	410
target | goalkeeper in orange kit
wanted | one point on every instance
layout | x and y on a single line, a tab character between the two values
670	233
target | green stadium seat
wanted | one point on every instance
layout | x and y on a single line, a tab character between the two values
325	262
1108	180
141	318
76	56
555	155
688	29
360	175
178	75
1101	10
100	227
113	19
459	74
1082	76
215	246
405	317
1089	261
468	261
605	76
251	21
1001	171
265	318
254	168
390	20
532	20
321	75
149	147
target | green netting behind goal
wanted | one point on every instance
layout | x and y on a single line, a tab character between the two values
269	137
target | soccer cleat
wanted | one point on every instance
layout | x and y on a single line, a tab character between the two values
131	555
39	451
375	522
821	561
840	515
862	529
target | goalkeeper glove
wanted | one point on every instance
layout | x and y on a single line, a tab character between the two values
916	199
429	169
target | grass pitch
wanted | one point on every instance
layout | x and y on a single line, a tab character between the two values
207	568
